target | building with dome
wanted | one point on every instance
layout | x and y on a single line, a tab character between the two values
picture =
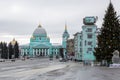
40	44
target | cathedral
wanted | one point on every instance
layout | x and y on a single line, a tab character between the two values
40	44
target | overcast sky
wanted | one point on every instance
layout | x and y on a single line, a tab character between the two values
19	18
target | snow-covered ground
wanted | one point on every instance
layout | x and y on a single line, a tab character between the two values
77	71
24	70
43	69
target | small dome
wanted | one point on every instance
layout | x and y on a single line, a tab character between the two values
39	31
13	41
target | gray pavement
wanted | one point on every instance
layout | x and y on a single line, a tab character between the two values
79	72
43	69
23	70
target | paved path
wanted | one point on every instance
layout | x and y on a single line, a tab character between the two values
25	74
23	70
43	69
77	71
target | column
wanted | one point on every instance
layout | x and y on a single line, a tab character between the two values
52	51
48	52
42	52
56	51
22	52
39	52
33	51
45	52
36	51
26	52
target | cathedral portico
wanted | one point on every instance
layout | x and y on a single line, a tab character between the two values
40	44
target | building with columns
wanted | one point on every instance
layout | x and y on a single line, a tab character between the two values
40	44
86	40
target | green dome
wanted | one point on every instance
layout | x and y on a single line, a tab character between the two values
41	32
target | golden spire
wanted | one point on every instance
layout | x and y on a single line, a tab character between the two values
110	1
13	41
65	26
39	26
32	37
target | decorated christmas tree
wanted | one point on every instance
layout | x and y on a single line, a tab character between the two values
109	37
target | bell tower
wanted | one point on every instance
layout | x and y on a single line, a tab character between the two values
65	37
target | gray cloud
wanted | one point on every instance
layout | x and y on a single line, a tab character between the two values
21	17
